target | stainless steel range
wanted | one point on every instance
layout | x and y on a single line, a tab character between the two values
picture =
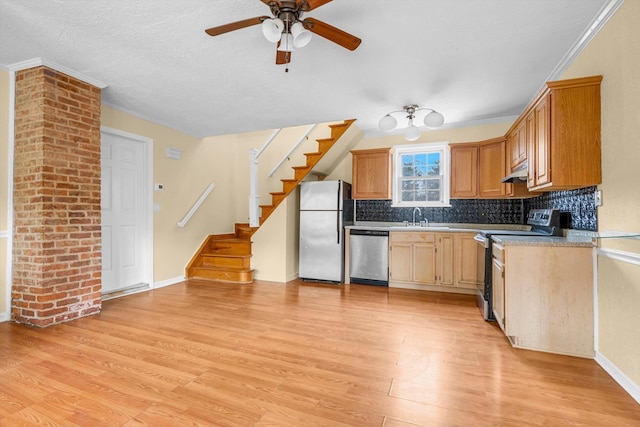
541	222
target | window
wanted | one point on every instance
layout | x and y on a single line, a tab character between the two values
421	175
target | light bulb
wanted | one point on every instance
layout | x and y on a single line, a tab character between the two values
411	133
433	120
387	123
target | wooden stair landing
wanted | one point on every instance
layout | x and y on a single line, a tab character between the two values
227	257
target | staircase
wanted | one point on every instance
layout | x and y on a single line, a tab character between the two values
227	257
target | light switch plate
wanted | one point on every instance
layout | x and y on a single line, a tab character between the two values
597	198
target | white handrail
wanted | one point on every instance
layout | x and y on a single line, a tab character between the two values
286	156
195	207
266	144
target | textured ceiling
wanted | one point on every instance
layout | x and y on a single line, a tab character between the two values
472	60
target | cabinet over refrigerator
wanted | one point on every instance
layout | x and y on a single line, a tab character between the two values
325	208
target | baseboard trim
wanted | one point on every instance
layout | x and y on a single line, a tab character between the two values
5	316
168	282
625	382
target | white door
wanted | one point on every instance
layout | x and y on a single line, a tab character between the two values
126	254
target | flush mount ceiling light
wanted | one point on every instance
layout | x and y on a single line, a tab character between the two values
433	119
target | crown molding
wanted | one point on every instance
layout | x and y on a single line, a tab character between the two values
38	62
598	22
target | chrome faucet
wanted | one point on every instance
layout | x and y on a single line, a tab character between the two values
414	214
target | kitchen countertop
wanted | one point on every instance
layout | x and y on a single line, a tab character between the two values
572	239
433	226
569	241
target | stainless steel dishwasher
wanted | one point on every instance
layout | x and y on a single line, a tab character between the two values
369	257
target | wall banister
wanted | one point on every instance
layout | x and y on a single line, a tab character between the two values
196	205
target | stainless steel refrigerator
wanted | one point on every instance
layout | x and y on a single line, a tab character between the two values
325	208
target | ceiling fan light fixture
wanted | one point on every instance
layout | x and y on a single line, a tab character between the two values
433	120
301	37
387	123
272	29
286	43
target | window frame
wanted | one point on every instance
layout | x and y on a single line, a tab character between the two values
422	148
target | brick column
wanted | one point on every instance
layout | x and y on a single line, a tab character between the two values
56	236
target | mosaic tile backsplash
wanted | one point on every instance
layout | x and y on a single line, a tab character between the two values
578	206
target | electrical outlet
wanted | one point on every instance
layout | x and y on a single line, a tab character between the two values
597	198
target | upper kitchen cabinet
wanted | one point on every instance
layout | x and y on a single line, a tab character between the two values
464	171
371	174
478	168
562	128
492	168
517	146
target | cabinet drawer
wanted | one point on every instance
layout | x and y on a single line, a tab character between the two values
412	237
498	252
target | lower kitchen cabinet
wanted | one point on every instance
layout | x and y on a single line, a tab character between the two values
543	297
468	261
497	285
421	258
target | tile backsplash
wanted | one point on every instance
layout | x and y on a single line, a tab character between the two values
578	204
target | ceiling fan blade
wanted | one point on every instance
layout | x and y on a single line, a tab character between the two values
332	33
216	31
314	4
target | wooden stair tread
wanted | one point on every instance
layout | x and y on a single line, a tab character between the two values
211	254
217	268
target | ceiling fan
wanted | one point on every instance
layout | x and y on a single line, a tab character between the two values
288	29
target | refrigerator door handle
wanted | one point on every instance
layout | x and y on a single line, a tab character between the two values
338	212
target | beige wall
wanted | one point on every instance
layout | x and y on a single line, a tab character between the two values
4	178
615	54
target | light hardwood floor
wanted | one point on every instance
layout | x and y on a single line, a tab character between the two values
300	354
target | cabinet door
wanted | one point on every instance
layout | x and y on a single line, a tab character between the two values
531	149
371	174
517	146
464	172
498	292
492	161
424	263
444	266
542	141
401	262
468	271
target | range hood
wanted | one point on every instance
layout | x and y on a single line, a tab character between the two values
517	176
